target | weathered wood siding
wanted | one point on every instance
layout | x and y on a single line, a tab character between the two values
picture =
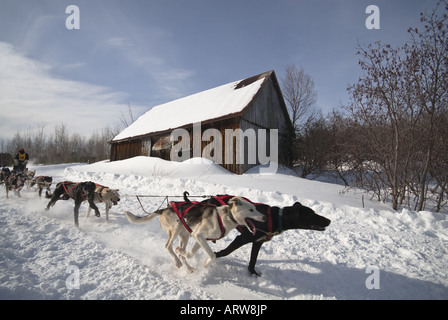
268	111
125	150
211	145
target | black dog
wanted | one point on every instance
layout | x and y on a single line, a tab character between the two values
278	220
41	182
79	192
4	174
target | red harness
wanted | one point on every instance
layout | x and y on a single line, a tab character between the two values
221	199
100	195
15	179
181	215
64	184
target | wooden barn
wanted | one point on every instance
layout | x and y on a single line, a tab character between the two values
242	107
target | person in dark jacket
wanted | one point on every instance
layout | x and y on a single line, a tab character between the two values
21	160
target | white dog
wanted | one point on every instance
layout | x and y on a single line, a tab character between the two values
204	221
107	195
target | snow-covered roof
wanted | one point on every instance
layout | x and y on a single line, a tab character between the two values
223	101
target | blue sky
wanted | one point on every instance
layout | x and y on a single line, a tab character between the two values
147	52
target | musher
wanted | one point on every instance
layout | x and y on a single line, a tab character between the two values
21	160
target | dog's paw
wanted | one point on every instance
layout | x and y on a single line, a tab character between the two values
180	251
190	269
255	273
207	262
178	264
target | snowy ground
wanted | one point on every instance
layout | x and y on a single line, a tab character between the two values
43	256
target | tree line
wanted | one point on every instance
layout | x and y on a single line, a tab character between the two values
391	137
61	146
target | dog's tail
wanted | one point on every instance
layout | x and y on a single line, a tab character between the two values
134	219
186	194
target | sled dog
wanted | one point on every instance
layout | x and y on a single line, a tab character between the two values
15	182
79	192
204	222
41	182
109	196
277	220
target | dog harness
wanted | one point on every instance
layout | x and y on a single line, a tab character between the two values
64	184
15	180
75	184
269	234
181	214
99	190
42	179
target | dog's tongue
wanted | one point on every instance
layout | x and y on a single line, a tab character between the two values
250	226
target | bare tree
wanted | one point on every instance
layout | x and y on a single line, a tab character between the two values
61	143
61	146
39	142
300	94
378	104
313	146
399	107
439	163
124	118
429	51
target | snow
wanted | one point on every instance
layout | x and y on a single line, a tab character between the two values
210	104
42	253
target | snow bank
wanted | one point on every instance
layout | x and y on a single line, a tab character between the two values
154	167
119	260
